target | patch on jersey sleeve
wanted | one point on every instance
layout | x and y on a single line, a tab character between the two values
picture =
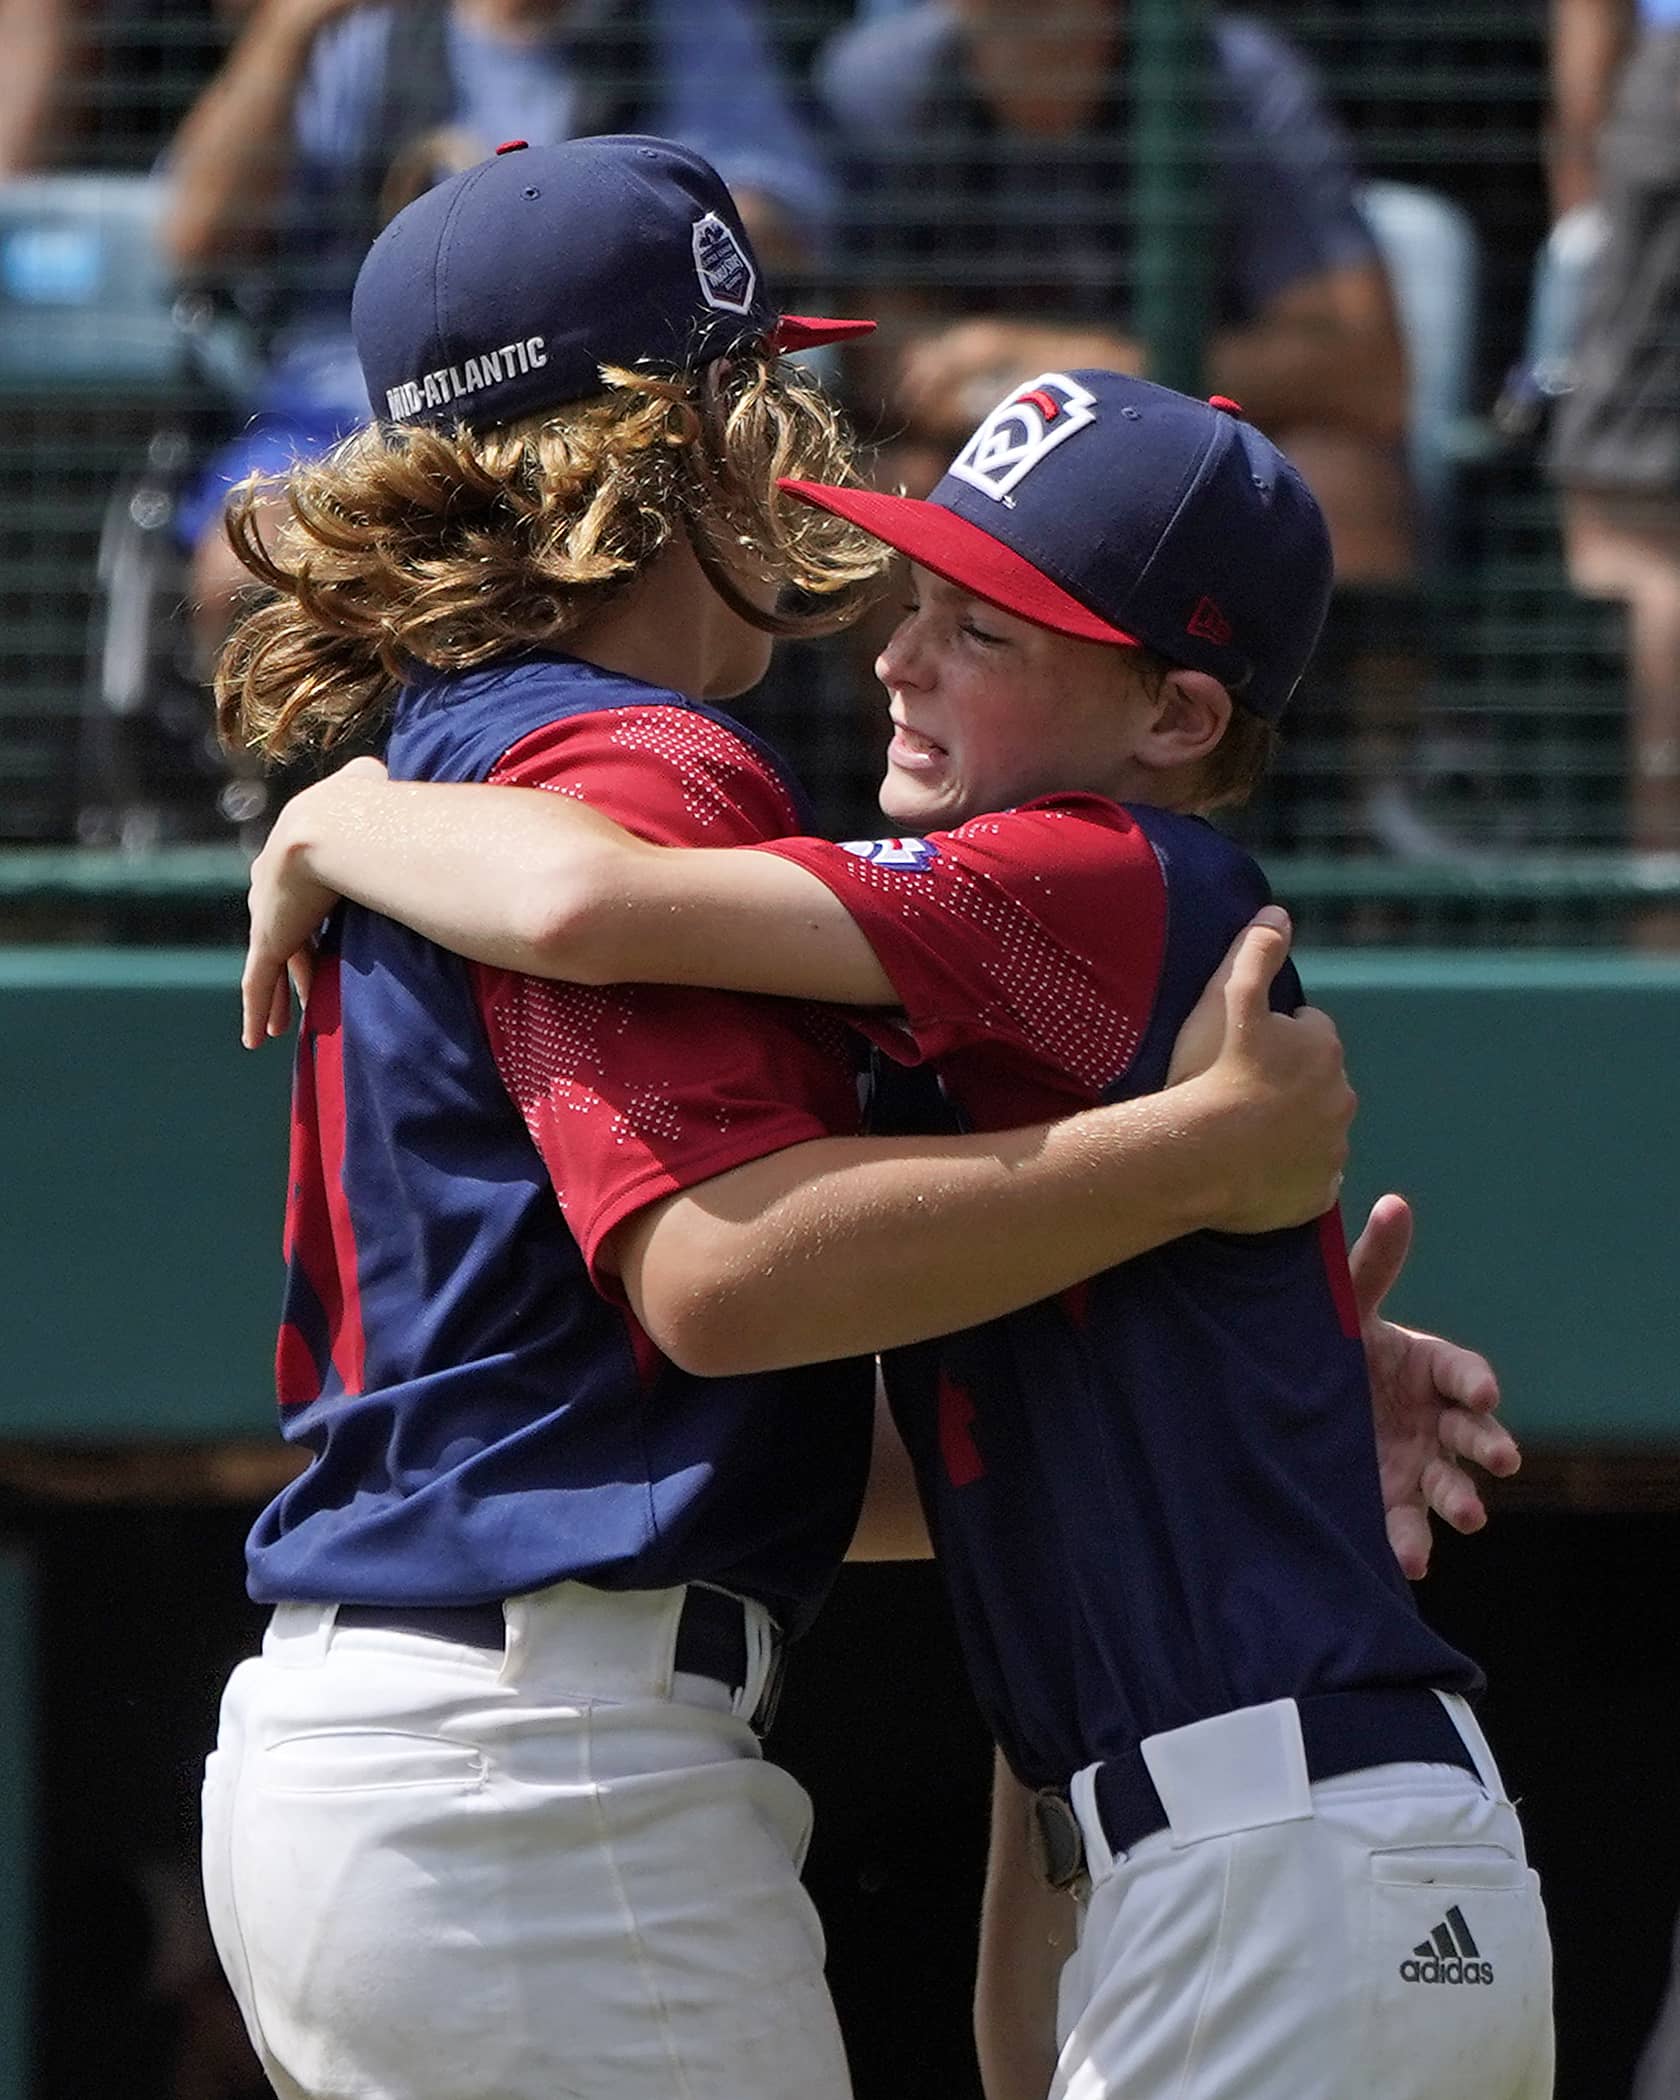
914	854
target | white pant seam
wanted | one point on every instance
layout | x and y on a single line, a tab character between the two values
234	1820
603	1824
1187	2070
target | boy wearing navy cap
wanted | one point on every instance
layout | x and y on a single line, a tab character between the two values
1156	1497
488	1817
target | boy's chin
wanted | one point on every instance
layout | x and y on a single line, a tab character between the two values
911	812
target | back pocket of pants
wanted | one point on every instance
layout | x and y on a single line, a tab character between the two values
1459	2003
350	1760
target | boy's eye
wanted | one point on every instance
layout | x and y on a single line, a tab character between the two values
978	633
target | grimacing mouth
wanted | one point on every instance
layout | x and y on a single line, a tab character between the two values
918	736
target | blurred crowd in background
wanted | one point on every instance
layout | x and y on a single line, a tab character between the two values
1426	249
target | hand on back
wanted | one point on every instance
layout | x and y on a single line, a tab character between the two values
287	906
1283	1103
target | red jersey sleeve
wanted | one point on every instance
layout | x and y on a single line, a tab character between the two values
633	1092
1035	937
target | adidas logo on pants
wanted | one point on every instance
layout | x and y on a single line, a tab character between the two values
1449	1955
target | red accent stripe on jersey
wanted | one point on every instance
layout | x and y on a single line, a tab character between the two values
325	1024
963	1463
1076	1303
306	1244
1332	1242
297	1379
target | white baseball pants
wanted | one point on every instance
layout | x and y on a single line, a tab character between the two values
1378	1936
436	1872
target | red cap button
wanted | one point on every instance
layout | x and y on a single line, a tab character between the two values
514	146
1224	401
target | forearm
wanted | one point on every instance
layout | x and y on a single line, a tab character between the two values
1589	41
501	875
35	37
1027	1932
952	381
844	1246
1315	368
232	154
543	884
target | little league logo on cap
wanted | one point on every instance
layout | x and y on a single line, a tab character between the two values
1020	431
727	277
505	289
1106	508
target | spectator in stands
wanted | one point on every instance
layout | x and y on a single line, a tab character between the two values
1615	136
988	223
990	145
329	114
103	85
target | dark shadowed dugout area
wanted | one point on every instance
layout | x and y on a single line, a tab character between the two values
140	1615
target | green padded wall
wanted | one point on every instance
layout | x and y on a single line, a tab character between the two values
1526	1103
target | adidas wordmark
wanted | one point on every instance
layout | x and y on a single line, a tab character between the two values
1449	1955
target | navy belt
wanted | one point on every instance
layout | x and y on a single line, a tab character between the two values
1340	1732
711	1637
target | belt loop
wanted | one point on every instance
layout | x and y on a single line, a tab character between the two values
516	1639
755	1636
299	1634
1082	1797
605	1646
1470	1730
1234	1771
766	1656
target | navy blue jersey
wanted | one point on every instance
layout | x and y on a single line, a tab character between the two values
483	1413
1155	1498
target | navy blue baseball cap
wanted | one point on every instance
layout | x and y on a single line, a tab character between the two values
505	289
1118	511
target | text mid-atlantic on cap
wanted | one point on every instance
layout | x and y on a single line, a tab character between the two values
506	288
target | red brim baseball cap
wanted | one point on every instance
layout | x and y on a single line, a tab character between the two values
810	331
965	555
1113	510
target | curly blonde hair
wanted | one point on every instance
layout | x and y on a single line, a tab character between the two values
410	546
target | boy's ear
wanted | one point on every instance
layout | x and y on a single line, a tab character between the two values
1191	715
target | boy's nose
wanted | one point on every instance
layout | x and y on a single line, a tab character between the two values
899	661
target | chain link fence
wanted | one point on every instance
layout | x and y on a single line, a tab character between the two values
1457	768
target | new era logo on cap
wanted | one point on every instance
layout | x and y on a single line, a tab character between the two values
1209	623
1019	433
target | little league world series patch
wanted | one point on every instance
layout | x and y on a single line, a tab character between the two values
727	277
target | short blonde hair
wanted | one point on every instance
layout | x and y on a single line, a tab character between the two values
410	546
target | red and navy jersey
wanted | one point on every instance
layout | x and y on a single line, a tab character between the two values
483	1413
1155	1498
